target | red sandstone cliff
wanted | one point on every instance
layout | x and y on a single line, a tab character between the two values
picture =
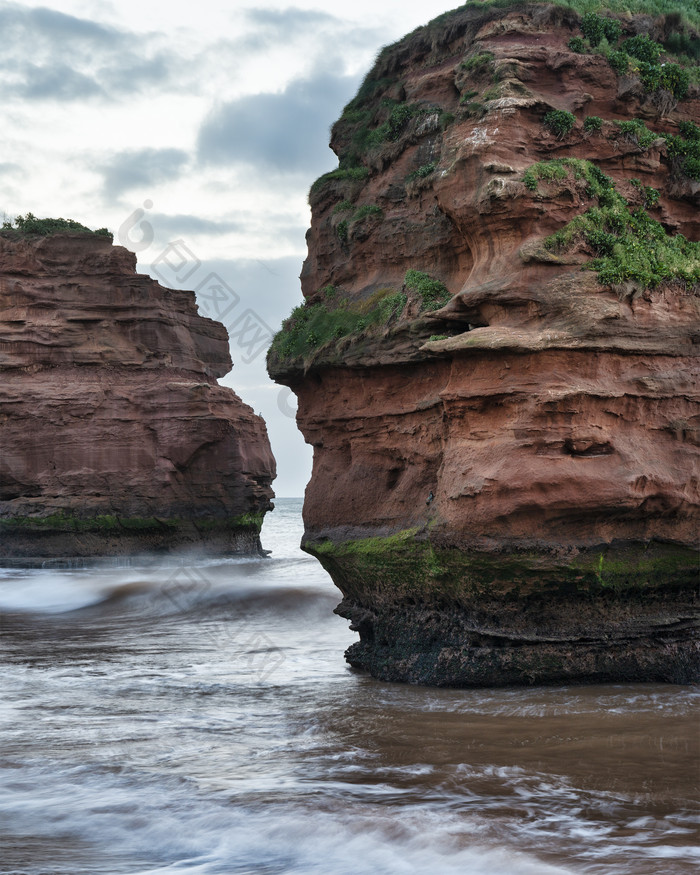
519	500
114	433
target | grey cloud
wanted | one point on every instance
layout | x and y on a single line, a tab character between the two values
141	167
288	21
275	24
136	73
48	55
19	22
275	27
286	132
52	56
57	82
181	225
184	227
59	25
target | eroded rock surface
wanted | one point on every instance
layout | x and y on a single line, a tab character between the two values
505	489
115	435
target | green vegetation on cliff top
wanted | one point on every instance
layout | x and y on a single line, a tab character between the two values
376	117
30	224
683	39
688	9
640	55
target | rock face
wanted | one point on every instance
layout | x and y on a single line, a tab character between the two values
115	435
506	487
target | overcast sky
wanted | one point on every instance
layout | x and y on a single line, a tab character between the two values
193	132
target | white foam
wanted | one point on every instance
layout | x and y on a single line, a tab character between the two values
180	830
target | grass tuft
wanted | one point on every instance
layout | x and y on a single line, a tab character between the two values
343	207
341	173
310	327
638	133
365	211
432	292
422	172
592	123
626	242
684	150
557	169
560	122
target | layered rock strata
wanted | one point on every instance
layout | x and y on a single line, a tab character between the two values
506	433
115	436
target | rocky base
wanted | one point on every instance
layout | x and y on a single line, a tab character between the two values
422	645
432	614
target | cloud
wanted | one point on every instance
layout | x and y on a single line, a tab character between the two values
289	20
285	132
183	225
272	26
29	25
309	31
48	55
270	287
141	168
51	56
57	82
135	73
10	167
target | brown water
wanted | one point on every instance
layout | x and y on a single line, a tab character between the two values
201	719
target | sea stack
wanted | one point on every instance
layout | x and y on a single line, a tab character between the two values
115	436
496	360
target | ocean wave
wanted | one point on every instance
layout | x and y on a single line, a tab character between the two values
168	590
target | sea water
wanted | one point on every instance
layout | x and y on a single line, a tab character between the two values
197	716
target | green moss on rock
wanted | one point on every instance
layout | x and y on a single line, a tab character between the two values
107	524
409	565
